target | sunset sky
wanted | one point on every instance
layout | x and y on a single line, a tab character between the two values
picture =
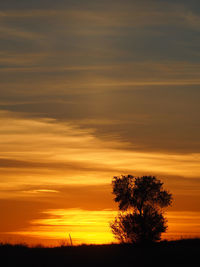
89	90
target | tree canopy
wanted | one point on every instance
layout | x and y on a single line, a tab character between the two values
141	201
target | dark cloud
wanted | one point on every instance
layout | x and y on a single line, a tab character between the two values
162	119
62	166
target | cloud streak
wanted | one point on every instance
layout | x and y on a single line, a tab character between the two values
43	147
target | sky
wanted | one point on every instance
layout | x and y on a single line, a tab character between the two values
90	90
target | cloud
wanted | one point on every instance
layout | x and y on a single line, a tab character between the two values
38	150
14	32
129	14
42	191
99	32
66	80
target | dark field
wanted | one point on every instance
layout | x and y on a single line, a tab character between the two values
166	253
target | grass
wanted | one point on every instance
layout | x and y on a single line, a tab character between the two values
183	252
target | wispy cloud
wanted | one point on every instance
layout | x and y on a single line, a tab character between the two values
130	14
44	149
19	33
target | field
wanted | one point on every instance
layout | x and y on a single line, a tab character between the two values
166	253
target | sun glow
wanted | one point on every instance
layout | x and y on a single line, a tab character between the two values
92	227
84	226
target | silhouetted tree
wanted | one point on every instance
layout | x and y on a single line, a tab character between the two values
141	202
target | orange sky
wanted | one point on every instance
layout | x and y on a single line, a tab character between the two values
56	180
87	92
